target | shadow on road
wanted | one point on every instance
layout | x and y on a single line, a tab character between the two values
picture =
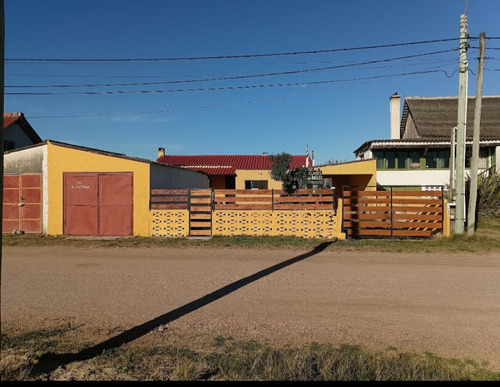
50	361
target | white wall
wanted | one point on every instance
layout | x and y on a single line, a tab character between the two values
27	160
167	177
414	178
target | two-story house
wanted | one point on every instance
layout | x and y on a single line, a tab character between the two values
420	151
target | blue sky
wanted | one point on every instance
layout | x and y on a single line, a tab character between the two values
134	97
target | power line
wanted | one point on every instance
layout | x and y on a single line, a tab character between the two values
87	60
240	76
226	87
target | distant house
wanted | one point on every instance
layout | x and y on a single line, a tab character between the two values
18	133
419	151
233	171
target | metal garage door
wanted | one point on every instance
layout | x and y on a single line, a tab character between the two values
98	204
22	203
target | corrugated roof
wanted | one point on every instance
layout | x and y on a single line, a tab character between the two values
434	117
214	171
227	164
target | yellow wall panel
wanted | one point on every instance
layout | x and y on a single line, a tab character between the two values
169	223
302	224
243	175
66	159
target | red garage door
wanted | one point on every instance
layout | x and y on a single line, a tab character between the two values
22	203
98	204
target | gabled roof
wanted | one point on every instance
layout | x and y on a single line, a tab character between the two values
10	119
92	150
434	117
227	164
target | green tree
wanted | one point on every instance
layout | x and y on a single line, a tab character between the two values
290	179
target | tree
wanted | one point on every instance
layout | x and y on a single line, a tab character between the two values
290	179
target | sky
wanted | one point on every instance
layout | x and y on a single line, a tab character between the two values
235	77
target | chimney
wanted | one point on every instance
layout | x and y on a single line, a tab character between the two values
161	152
395	110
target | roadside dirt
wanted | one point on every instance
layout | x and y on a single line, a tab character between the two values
448	305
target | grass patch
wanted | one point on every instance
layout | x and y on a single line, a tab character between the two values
228	360
485	239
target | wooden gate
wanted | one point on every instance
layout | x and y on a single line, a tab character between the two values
22	203
98	204
200	212
198	202
392	213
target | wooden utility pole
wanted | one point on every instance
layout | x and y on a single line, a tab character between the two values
452	163
2	57
461	128
471	215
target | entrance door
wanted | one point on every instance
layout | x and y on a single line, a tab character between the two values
98	204
115	204
22	203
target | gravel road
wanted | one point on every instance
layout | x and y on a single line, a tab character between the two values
445	304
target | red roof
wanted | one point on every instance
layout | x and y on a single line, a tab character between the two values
227	164
10	118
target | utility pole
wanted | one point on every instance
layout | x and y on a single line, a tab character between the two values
452	164
461	127
471	216
2	58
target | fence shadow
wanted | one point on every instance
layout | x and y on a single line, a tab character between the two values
51	361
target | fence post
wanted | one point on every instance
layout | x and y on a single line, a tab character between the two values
442	208
272	200
392	212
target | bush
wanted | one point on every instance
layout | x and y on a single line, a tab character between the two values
488	195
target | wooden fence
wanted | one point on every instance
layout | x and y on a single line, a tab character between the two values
234	199
392	213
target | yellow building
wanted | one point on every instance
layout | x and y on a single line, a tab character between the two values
84	191
354	173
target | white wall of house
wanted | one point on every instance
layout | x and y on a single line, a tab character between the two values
166	177
414	177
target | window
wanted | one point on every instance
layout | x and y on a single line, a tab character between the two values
397	159
380	159
390	160
431	159
255	184
402	160
415	160
437	159
443	159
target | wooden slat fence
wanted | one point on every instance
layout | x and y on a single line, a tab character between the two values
392	213
234	199
305	199
169	199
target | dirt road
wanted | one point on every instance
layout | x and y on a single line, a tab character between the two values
445	304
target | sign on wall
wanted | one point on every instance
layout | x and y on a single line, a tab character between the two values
315	178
